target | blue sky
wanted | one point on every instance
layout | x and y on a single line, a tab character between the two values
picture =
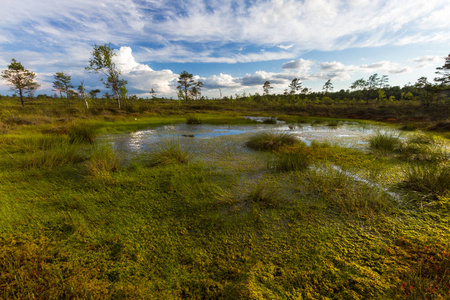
232	45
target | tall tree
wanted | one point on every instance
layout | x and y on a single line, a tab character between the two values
267	87
384	80
426	91
62	84
93	93
296	85
185	83
327	86
373	81
21	79
444	71
102	62
196	90
359	84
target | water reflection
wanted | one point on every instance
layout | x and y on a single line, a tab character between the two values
349	134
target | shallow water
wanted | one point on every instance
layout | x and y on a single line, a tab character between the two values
347	134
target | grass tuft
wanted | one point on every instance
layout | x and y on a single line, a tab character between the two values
385	142
271	120
82	134
193	120
103	162
431	179
285	161
266	141
263	193
168	152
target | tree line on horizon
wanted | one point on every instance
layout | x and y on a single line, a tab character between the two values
23	82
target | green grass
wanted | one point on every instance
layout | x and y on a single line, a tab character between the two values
82	134
193	120
168	152
431	180
265	141
385	142
100	225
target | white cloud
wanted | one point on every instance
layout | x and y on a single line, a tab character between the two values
142	77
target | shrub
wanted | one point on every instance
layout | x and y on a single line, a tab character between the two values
271	141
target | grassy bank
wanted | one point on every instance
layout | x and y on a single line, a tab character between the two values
82	220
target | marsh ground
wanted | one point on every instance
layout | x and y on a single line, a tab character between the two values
218	220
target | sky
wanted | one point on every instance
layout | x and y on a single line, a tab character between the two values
232	46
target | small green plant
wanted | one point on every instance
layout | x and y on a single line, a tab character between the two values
193	120
82	134
168	152
271	140
431	179
385	142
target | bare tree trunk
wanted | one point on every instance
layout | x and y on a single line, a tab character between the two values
21	97
118	98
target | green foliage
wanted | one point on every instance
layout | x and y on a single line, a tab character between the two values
266	141
21	79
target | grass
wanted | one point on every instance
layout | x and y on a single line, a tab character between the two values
385	142
431	180
193	120
168	152
287	160
82	134
266	141
94	226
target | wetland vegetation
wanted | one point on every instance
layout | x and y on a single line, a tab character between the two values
161	200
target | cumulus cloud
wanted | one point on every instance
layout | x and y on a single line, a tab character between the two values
299	64
140	76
